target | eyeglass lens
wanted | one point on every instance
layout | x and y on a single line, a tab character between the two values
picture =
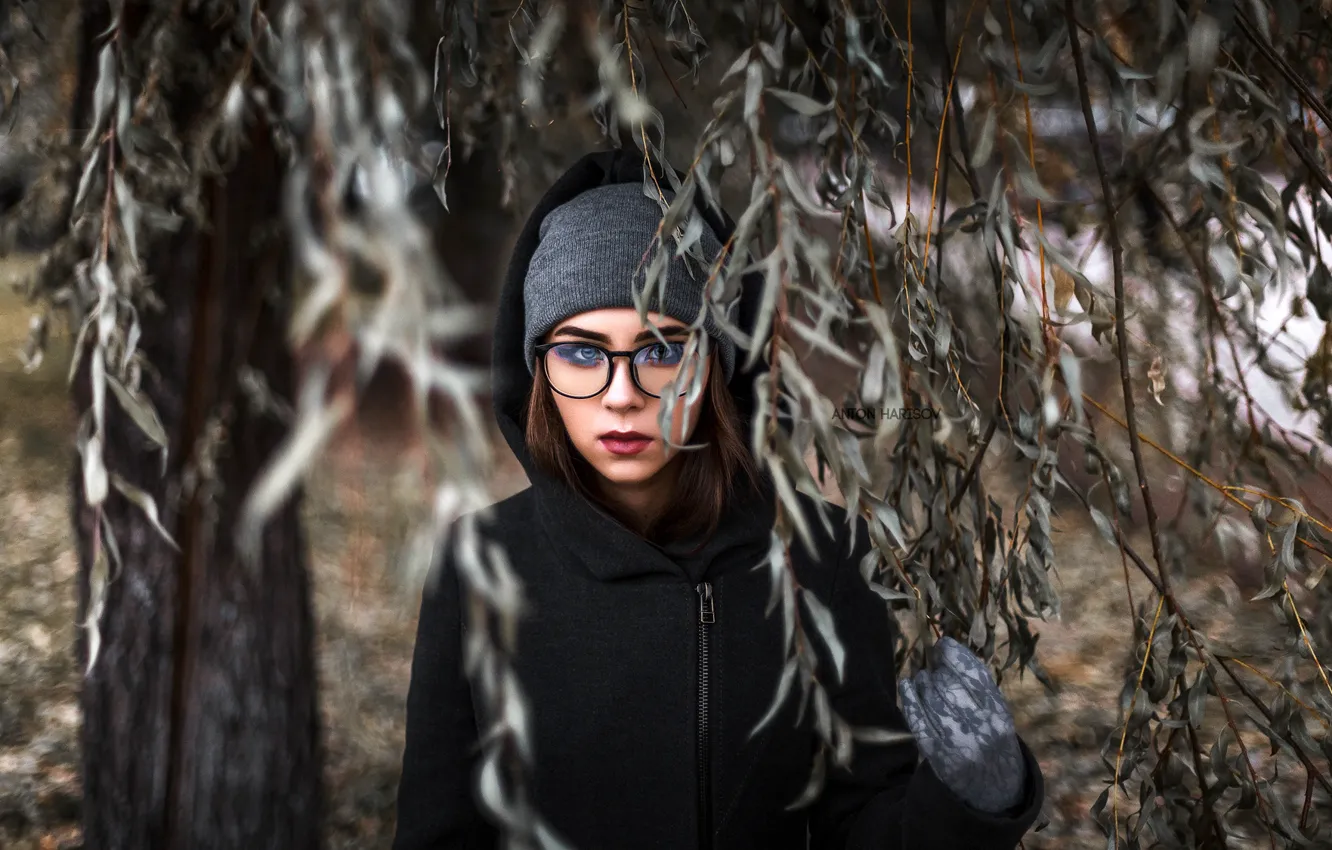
579	369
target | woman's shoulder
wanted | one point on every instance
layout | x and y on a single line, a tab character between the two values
837	537
514	511
511	518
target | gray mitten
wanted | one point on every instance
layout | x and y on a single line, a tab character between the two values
963	727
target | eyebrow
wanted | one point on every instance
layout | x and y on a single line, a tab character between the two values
666	330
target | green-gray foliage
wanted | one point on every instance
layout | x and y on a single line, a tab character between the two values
1192	140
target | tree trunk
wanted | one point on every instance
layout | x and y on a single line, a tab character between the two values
201	725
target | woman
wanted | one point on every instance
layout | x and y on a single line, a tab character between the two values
646	652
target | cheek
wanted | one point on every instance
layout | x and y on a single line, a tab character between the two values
575	416
686	420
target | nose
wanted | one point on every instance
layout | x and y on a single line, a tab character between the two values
622	392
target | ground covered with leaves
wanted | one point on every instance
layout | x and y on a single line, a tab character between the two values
358	511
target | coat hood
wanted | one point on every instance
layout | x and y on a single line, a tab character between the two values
512	383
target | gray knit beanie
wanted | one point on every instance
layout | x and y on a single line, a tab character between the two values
590	247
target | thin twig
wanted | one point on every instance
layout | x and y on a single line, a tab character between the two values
1117	256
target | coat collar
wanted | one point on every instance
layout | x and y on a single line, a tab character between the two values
587	535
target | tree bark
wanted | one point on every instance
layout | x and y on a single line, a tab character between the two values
200	714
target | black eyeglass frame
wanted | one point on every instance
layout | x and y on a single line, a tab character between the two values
611	356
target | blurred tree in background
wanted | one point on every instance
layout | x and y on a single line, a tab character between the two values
1094	236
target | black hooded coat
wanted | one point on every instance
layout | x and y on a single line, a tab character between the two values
642	707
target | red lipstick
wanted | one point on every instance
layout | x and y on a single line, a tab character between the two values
625	442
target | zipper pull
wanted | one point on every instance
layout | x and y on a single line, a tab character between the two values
706	613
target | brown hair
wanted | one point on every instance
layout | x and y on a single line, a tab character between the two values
708	478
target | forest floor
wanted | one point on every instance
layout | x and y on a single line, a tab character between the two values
367	621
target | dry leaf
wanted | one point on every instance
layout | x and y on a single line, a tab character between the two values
1156	374
1064	288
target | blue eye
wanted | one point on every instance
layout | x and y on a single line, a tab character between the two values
669	354
578	355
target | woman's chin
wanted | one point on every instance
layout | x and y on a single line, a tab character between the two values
627	469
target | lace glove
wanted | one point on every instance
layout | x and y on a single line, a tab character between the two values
963	727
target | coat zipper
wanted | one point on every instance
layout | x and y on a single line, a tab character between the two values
706	616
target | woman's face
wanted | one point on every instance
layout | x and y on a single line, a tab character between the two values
602	427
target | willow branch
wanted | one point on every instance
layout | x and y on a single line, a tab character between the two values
1117	256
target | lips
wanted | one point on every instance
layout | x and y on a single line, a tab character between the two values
625	442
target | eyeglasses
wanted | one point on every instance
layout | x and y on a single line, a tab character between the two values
583	369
